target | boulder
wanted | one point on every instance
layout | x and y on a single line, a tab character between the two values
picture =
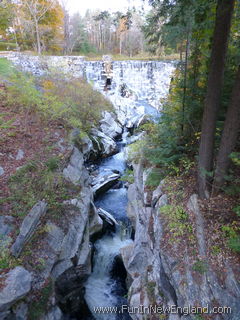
69	288
75	171
103	183
75	248
107	145
106	216
86	146
28	227
110	126
54	240
16	284
132	207
95	222
157	193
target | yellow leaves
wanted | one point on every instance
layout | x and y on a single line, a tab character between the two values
197	135
54	16
201	83
122	25
48	85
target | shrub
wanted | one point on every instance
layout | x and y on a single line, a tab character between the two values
52	163
178	221
200	266
128	176
75	101
36	181
234	244
231	233
71	101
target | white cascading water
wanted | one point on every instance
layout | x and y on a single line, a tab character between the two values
100	285
148	80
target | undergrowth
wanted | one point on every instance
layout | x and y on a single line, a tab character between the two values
73	102
35	181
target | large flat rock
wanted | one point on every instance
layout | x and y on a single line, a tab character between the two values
28	227
101	184
16	284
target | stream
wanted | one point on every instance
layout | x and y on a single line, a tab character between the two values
136	90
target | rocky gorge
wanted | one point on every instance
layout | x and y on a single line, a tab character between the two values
94	250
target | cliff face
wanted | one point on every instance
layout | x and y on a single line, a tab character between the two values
61	247
50	255
165	275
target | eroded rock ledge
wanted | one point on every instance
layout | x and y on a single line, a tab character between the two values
64	249
158	276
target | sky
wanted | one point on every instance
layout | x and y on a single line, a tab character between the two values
113	5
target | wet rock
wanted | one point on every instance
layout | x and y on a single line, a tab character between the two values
126	253
136	137
17	283
69	287
132	206
101	184
126	92
106	216
28	227
110	126
96	222
133	121
106	144
143	120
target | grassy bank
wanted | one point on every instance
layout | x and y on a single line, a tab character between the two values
37	116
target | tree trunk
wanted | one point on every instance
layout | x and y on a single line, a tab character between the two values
214	85
66	48
229	135
38	37
120	43
185	79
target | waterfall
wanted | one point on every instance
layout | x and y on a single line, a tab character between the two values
100	285
148	81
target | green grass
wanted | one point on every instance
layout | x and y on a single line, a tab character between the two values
36	181
200	266
6	68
